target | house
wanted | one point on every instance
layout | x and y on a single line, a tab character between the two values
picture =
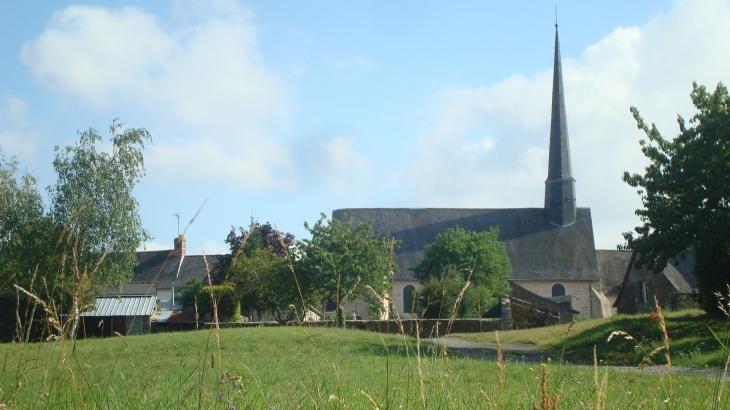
168	270
125	312
551	249
675	287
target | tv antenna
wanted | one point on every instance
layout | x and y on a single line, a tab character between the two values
177	215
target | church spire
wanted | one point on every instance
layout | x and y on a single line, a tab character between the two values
560	185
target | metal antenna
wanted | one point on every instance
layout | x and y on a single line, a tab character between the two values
177	214
556	16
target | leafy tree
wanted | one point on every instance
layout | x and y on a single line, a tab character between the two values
263	282
91	231
192	295
258	268
458	256
260	237
342	259
443	298
196	295
93	200
27	236
685	192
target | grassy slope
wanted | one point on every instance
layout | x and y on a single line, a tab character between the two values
290	367
692	344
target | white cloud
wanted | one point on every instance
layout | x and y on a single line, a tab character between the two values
337	163
213	248
206	78
16	137
650	67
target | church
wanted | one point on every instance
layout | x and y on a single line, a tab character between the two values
551	249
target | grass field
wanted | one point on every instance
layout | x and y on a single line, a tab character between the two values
690	333
295	367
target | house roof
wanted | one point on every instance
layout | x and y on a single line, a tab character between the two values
128	289
168	269
612	265
537	249
125	306
680	274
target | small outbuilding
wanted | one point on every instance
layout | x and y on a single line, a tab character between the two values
125	313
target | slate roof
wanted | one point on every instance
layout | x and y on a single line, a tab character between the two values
128	289
537	249
680	273
164	268
126	306
612	265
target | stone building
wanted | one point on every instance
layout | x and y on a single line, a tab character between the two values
675	287
551	249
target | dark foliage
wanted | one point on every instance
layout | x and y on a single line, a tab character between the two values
685	193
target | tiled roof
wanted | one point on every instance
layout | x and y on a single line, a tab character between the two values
126	306
537	249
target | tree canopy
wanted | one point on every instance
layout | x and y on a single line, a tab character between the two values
258	267
685	192
342	258
455	258
90	233
93	199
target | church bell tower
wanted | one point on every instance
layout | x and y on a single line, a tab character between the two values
560	185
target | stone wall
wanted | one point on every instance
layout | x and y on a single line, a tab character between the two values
425	328
529	310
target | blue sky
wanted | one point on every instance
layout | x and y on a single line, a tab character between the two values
282	110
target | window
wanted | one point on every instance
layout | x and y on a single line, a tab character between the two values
408	298
645	292
558	290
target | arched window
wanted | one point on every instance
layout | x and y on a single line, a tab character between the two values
558	290
408	293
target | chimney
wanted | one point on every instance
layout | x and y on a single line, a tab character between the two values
180	244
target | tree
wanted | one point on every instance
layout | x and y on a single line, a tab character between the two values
263	282
260	237
455	258
93	201
345	260
258	267
685	192
27	235
91	232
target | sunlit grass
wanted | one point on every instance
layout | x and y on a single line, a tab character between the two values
291	366
692	342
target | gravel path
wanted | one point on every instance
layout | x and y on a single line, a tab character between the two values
527	353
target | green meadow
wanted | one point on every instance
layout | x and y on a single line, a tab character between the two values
695	340
316	368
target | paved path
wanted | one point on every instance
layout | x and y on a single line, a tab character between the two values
527	353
